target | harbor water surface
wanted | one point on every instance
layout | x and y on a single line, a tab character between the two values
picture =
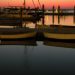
39	57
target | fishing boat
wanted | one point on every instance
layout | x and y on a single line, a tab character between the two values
20	12
60	32
16	20
16	33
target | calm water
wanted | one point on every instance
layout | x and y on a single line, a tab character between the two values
40	59
48	20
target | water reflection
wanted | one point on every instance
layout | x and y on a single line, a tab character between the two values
64	20
51	19
36	60
14	56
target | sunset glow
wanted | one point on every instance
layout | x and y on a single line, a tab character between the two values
47	3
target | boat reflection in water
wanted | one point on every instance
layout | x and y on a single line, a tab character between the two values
15	56
30	57
59	43
33	42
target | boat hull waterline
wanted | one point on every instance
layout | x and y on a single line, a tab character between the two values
18	36
59	36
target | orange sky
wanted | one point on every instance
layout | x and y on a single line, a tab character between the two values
47	3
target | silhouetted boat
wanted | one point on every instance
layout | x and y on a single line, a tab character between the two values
16	33
60	32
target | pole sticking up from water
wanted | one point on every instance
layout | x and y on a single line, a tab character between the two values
43	10
74	13
58	14
21	13
0	11
52	27
53	15
24	4
60	27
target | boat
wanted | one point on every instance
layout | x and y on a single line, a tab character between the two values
60	32
16	16
16	19
16	33
21	12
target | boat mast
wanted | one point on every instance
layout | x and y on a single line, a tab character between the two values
24	4
33	3
39	3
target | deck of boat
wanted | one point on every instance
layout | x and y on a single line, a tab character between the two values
15	30
16	33
60	32
60	29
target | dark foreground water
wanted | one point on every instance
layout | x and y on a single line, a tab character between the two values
39	59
